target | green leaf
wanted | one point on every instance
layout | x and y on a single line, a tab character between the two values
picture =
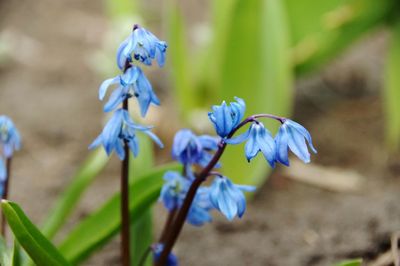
72	194
39	249
392	90
354	262
181	64
16	255
142	228
256	68
95	230
322	29
5	259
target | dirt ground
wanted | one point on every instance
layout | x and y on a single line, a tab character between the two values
49	89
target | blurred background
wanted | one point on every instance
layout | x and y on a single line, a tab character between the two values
331	65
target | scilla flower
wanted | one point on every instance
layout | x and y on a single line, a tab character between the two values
172	259
9	137
199	212
121	128
225	118
258	139
142	46
228	198
293	136
191	149
132	83
174	190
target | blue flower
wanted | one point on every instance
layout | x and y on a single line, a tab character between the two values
293	136
258	139
174	190
9	137
121	128
3	171
142	46
132	83
228	198
191	149
172	260
225	118
199	212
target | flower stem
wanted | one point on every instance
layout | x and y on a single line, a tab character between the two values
176	228
5	195
125	223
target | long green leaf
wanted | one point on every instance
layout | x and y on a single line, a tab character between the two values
142	227
256	68
39	249
16	256
4	253
95	230
71	195
355	262
392	91
182	67
322	29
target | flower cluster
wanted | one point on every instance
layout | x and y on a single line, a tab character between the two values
192	151
291	135
9	142
140	47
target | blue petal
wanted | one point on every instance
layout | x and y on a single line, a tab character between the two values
209	142
298	145
267	146
134	146
239	139
121	58
281	140
3	171
119	149
251	148
104	86
303	132
96	142
116	98
154	138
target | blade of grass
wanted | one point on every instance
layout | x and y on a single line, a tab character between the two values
72	194
38	247
95	230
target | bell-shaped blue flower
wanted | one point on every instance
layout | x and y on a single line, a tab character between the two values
191	149
226	117
132	83
121	128
258	139
199	212
3	171
142	46
9	137
293	136
228	198
172	260
174	190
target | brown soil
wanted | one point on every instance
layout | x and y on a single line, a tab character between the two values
48	88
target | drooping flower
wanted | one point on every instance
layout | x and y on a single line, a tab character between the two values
174	190
121	128
132	83
228	198
293	136
191	149
9	137
199	212
225	118
258	139
172	260
142	46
